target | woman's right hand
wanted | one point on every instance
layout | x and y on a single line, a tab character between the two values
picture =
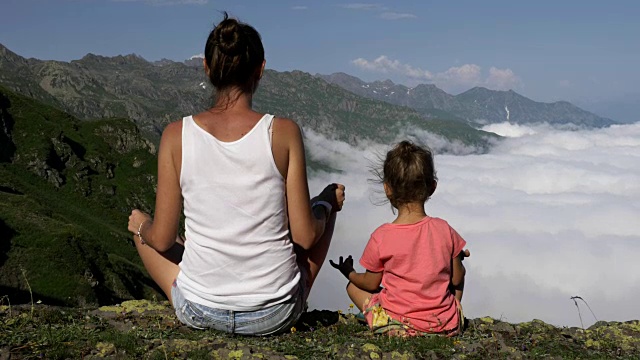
334	194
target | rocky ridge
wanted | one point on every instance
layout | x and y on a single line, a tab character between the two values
477	106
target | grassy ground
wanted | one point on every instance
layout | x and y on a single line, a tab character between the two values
142	329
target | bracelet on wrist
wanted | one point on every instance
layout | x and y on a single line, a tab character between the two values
139	233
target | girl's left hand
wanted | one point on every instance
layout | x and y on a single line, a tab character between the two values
135	219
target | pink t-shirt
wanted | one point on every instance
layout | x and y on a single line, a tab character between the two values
416	263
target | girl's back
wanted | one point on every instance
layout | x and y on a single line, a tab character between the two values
417	258
416	262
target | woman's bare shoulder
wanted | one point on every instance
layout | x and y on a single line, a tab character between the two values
173	128
286	125
172	135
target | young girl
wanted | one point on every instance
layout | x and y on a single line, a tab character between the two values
417	258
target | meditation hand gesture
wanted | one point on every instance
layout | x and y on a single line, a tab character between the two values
331	198
334	195
345	267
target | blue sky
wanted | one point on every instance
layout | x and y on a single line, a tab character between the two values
583	51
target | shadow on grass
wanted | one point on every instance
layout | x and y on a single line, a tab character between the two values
316	319
6	234
19	296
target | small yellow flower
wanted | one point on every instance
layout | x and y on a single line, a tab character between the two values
293	329
339	311
351	306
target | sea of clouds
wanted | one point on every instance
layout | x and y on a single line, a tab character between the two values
548	213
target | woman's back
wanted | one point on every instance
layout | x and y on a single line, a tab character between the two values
234	204
246	200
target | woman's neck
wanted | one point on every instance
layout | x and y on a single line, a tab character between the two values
233	100
410	213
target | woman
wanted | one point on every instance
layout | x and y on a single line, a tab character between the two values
242	178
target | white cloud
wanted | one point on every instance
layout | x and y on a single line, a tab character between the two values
169	2
197	56
564	83
502	79
363	6
384	12
459	78
454	80
299	7
548	214
389	15
509	130
385	65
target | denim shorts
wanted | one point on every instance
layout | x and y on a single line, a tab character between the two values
271	320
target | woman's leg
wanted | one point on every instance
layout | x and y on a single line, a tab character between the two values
163	267
313	258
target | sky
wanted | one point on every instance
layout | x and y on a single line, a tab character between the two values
547	214
582	51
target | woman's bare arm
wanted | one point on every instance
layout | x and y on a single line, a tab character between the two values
306	225
160	233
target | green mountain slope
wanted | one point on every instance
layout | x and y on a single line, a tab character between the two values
331	110
66	188
153	94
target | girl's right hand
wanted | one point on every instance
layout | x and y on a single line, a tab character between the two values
344	266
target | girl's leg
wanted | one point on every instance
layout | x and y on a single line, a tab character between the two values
358	296
163	267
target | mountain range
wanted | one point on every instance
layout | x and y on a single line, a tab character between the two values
338	106
155	93
477	106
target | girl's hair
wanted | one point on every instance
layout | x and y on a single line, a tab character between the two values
234	54
409	172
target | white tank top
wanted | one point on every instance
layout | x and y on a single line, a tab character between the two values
238	253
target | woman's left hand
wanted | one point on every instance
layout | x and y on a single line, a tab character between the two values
135	220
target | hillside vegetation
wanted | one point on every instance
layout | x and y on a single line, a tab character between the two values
66	189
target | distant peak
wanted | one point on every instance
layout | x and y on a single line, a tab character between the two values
4	51
134	57
92	56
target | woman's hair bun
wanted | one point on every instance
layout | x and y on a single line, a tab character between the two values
234	56
230	37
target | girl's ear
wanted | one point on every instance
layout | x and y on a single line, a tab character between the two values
435	185
387	190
